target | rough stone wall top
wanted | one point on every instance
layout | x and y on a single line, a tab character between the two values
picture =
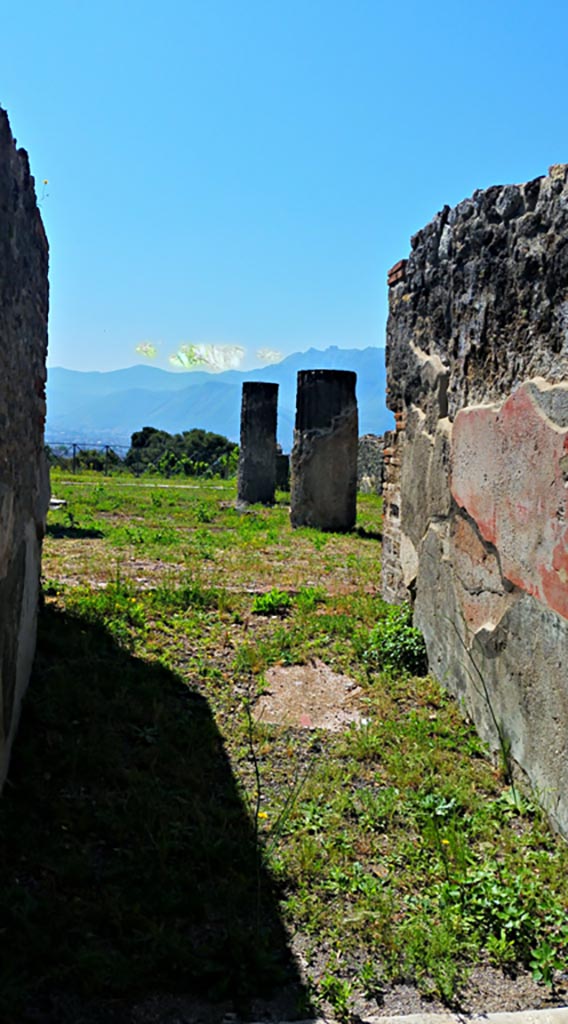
484	295
24	300
23	473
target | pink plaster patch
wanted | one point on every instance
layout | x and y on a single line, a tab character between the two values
507	474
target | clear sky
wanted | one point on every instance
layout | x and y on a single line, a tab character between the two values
244	172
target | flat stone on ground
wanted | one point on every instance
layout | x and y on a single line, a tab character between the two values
309	697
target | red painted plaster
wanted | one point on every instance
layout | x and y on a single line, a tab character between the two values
507	474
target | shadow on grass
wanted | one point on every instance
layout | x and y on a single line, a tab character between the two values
72	532
364	534
129	865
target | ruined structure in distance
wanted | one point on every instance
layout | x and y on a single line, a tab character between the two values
370	464
24	483
323	463
476	481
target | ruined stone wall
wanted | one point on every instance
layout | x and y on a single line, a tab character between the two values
370	464
24	486
476	487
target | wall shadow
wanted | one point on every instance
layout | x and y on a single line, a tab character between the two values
129	865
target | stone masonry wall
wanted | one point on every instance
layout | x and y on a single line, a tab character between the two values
24	486
370	464
476	487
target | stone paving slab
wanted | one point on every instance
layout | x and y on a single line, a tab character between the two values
556	1015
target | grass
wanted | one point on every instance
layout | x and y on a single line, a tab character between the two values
151	829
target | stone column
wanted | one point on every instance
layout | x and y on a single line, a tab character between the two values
282	471
257	457
324	457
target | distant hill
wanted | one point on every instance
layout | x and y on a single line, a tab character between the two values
108	407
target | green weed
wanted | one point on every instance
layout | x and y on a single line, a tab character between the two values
116	607
396	644
308	598
337	992
275	602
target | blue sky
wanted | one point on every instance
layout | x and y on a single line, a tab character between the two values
245	173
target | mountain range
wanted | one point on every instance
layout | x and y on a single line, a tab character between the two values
107	407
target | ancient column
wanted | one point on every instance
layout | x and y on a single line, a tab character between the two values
257	457
324	457
282	470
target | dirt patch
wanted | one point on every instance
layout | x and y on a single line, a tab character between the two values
89	562
309	697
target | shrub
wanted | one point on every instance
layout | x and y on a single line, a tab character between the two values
394	643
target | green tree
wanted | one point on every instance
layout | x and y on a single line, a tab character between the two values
193	453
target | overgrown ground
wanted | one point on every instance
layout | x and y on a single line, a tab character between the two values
158	841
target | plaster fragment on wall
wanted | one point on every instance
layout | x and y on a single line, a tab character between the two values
482	594
507	473
408	560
